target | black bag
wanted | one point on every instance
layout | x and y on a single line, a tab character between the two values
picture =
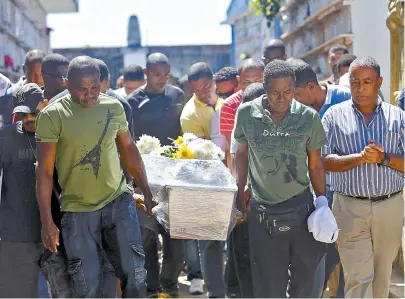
280	223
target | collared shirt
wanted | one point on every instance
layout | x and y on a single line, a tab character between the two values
348	134
335	94
228	113
278	168
196	117
216	136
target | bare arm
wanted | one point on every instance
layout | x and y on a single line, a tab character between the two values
46	152
132	161
397	162
317	172
336	163
241	163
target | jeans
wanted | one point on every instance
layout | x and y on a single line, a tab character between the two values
54	267
238	275
212	262
192	257
43	291
273	255
172	264
332	256
113	229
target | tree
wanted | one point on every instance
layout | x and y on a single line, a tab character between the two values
268	8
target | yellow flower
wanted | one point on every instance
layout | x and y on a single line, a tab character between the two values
179	140
184	152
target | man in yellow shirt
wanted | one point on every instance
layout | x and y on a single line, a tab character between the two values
198	112
196	118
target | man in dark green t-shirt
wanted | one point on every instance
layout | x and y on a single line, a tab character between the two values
85	134
279	145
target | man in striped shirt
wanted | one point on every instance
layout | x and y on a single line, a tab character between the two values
251	71
365	155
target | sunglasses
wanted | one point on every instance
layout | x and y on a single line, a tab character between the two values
63	78
225	94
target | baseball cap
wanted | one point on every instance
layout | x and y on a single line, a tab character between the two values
27	98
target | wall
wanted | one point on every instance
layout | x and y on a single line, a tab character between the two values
371	35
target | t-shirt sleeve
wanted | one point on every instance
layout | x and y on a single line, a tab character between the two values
227	119
327	122
48	126
190	124
239	132
122	121
317	138
128	116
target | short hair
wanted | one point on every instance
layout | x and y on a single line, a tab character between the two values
338	47
156	58
346	60
253	91
366	61
250	63
226	74
275	44
51	63
34	56
104	71
303	72
183	81
278	69
199	70
133	72
83	65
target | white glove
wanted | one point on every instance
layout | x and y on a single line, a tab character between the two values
321	223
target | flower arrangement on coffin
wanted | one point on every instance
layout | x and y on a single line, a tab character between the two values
188	146
194	189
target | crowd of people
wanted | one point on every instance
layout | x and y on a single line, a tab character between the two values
70	224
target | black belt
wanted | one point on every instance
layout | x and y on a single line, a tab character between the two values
377	198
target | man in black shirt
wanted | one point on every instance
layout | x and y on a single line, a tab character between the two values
20	226
156	109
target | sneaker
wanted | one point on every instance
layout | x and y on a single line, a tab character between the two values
196	287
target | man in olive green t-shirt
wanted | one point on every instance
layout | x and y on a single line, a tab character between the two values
279	145
85	134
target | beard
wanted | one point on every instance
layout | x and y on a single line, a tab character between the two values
29	125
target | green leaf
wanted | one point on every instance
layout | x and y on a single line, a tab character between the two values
268	8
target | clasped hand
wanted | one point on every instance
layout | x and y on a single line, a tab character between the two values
373	153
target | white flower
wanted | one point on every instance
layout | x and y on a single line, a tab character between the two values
148	144
188	137
206	150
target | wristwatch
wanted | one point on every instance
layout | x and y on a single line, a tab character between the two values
385	161
131	188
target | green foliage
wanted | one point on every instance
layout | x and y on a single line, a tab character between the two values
268	8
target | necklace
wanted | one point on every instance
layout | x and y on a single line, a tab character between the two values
32	148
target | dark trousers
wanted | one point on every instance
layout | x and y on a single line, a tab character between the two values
273	257
238	276
172	264
19	268
113	229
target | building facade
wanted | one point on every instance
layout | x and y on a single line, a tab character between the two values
249	31
180	57
23	27
314	26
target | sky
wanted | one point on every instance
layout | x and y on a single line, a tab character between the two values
162	22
